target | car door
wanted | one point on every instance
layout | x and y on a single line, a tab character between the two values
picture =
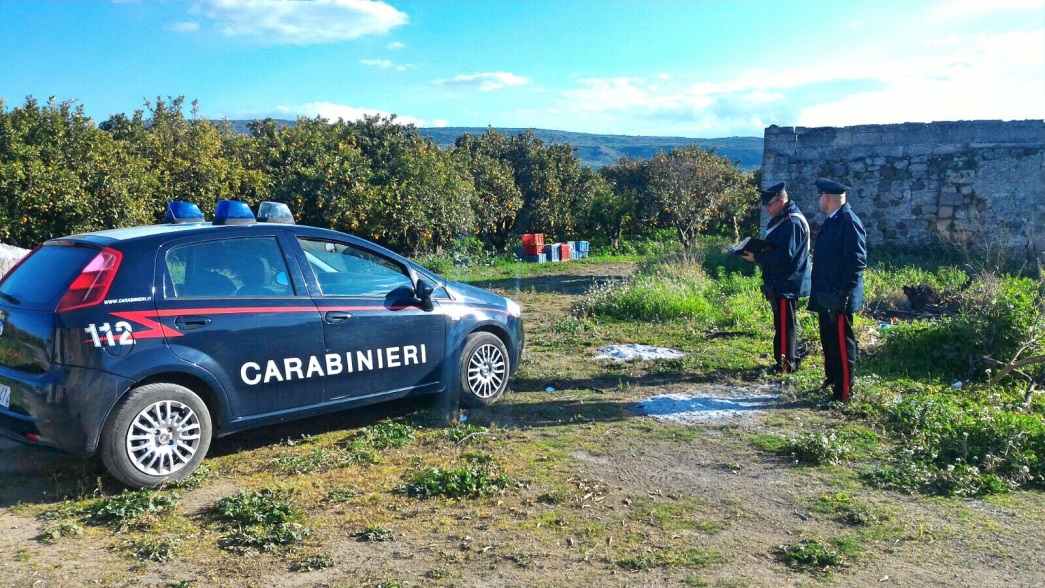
231	306
372	322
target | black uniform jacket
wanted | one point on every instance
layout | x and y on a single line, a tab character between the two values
839	259
785	266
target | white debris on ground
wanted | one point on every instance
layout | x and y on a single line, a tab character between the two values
713	404
633	351
10	255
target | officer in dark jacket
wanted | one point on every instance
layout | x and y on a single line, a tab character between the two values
785	271
839	259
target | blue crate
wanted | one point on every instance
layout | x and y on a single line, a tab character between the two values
552	251
582	246
539	258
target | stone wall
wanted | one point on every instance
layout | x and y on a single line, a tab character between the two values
979	182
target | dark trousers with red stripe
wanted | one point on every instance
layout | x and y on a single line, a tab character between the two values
839	343
785	335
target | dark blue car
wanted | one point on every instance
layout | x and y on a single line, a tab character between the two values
141	344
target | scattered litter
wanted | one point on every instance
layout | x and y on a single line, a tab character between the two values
885	326
957	385
710	406
634	351
464	418
549	389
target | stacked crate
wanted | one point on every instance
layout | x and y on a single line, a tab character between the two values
564	251
582	249
533	248
552	251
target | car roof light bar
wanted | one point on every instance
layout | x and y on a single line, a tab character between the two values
179	212
275	212
233	212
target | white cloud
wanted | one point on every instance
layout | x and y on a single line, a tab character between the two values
956	77
386	64
184	27
332	111
296	22
978	8
483	82
395	46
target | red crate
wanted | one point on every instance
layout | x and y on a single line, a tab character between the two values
533	249
536	239
564	251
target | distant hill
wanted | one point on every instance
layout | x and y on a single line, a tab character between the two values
599	150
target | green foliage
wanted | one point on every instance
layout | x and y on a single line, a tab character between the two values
373	533
819	448
375	177
466	482
810	555
262	520
667	292
458	433
131	507
158	549
998	316
385	435
313	563
683	558
695	187
958	447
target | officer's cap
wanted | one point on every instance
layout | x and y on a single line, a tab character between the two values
770	193
827	186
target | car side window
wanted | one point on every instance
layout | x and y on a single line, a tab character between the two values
248	267
344	270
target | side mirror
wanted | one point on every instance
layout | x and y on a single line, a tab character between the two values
423	290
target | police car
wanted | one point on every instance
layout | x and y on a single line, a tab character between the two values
142	344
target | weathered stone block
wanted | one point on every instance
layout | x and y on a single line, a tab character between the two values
951	199
945	212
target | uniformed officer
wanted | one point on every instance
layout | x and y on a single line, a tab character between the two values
839	259
785	271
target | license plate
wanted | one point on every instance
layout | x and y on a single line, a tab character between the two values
5	396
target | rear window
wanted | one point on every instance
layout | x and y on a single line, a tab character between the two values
40	281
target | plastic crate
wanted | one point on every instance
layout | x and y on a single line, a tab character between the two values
539	258
582	246
533	249
564	251
551	252
535	239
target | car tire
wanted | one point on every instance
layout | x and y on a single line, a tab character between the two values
158	433
482	370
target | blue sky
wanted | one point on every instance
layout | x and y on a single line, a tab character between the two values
698	68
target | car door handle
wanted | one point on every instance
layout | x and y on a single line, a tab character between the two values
335	316
186	323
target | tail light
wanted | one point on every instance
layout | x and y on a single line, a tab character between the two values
92	285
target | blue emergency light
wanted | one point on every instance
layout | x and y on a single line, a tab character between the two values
179	212
233	212
275	212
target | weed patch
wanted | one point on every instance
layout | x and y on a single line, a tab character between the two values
131	508
810	555
466	482
261	521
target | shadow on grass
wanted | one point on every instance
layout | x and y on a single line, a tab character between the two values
571	284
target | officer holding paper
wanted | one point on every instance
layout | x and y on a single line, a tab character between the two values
839	259
785	271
